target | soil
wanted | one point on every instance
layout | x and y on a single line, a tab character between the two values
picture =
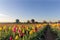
49	35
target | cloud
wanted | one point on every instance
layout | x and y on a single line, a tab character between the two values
6	18
3	15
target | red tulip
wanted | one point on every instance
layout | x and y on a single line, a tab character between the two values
21	34
11	38
14	29
19	31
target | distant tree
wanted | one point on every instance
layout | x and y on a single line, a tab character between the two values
58	21
50	22
36	22
44	21
17	20
28	21
32	20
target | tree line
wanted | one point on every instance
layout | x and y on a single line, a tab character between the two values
33	21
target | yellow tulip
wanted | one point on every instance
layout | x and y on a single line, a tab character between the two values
0	28
16	38
23	30
12	28
20	28
31	32
38	26
4	27
27	28
33	27
9	28
44	24
34	30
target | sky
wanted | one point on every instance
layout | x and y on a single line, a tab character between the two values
24	10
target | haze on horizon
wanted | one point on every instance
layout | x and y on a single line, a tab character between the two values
24	10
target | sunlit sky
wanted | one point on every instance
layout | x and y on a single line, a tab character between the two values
29	9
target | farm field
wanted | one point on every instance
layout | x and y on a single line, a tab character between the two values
30	31
29	19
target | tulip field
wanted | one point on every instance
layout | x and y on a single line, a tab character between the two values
56	29
20	31
26	31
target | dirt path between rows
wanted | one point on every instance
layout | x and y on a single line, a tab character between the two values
49	35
